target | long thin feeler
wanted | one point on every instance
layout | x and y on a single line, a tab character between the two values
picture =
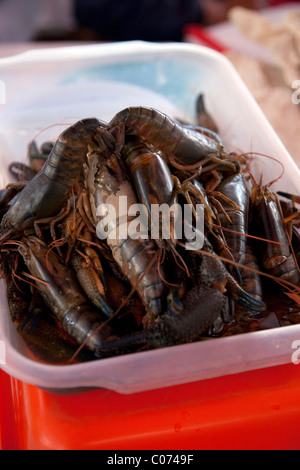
247	235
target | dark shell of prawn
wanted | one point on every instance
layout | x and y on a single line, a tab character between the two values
47	192
151	176
31	317
202	307
185	144
233	187
63	295
276	260
108	182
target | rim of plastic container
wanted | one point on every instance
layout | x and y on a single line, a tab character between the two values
268	354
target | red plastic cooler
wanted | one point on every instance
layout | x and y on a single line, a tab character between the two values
253	410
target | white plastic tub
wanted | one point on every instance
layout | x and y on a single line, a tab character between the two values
64	85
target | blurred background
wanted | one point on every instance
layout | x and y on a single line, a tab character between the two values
110	20
261	38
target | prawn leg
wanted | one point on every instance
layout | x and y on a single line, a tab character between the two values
63	295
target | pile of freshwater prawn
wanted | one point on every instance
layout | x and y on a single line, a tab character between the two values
73	296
